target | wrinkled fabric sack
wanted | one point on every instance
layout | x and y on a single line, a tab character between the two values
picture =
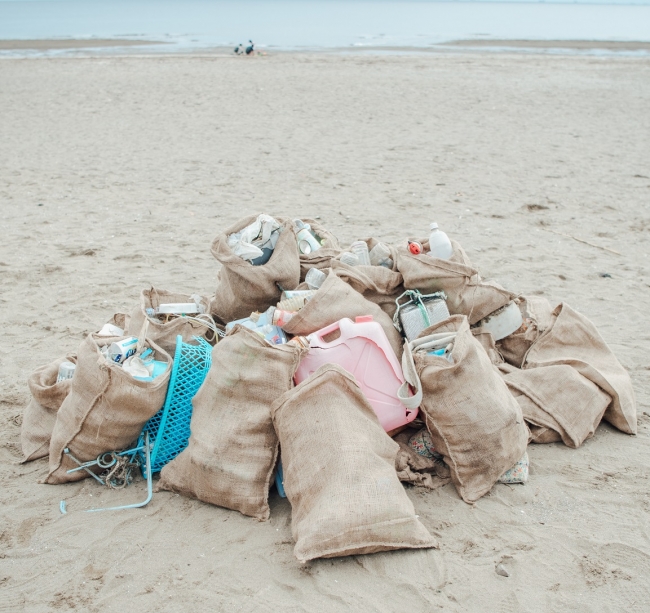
335	300
121	320
40	414
574	340
105	409
417	469
243	288
164	334
377	284
321	258
339	472
558	398
474	421
233	447
467	293
486	340
536	314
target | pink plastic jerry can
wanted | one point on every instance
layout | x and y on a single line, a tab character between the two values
362	349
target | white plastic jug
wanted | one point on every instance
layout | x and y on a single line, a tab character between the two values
364	351
439	243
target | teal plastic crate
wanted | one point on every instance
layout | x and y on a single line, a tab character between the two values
169	428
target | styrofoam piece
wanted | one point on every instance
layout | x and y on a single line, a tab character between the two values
503	322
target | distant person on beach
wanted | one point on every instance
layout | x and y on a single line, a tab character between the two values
249	49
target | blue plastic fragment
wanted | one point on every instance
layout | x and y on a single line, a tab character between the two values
279	480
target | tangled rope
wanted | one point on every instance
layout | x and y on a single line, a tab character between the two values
120	474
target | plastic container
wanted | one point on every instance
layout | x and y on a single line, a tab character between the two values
364	351
414	247
380	256
315	278
360	249
169	428
273	334
121	350
306	294
308	240
282	318
66	371
439	243
293	304
178	308
349	258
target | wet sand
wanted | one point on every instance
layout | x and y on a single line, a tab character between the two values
575	45
72	43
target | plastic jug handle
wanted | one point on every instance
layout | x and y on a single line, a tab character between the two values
327	330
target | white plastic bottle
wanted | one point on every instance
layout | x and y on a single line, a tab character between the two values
439	243
315	278
380	256
349	258
360	249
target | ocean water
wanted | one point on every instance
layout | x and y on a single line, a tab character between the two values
190	25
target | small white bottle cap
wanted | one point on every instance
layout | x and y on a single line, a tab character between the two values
434	226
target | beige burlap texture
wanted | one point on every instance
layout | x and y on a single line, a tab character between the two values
536	314
335	300
40	414
474	421
233	448
377	284
557	398
321	258
105	409
573	340
243	288
339	472
416	469
486	340
467	293
161	333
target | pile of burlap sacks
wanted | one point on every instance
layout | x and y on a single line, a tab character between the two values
553	380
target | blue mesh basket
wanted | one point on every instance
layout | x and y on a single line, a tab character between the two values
170	427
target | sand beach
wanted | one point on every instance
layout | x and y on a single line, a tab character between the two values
117	172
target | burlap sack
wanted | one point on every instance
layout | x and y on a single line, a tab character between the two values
474	421
467	293
233	448
572	339
375	283
557	398
322	257
536	314
486	340
243	288
339	472
335	300
40	414
164	334
121	320
104	411
416	469
539	434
